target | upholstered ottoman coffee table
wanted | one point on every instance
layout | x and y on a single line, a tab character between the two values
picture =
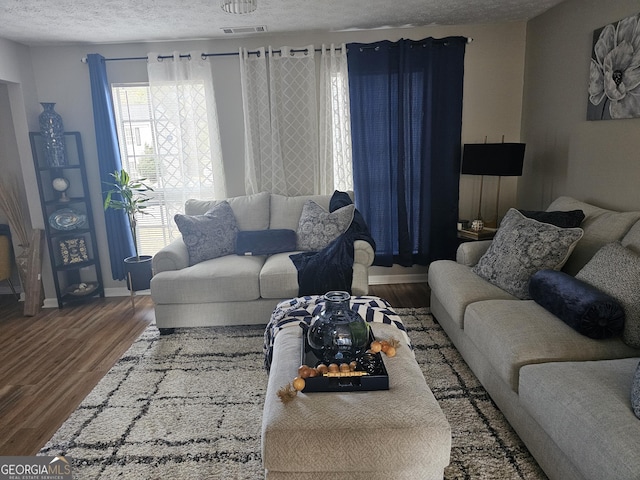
399	433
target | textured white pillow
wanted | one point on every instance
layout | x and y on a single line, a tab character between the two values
251	211
317	228
635	392
520	248
615	270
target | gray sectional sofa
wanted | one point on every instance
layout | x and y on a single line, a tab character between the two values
565	394
238	289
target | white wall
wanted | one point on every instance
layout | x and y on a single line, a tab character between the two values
494	68
595	161
17	89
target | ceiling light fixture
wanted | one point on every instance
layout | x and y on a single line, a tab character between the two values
239	6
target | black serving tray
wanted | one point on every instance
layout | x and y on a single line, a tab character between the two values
378	380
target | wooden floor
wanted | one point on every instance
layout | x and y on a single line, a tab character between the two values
410	295
50	362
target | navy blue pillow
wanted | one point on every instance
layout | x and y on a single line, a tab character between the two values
338	200
265	242
358	230
583	307
570	219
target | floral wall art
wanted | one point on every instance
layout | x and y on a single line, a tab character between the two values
614	77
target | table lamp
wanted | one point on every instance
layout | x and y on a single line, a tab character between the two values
496	159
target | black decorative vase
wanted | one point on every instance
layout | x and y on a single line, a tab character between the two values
139	271
52	131
338	334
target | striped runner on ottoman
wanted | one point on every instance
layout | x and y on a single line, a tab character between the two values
289	313
399	434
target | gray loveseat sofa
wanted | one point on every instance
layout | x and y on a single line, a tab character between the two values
238	289
565	394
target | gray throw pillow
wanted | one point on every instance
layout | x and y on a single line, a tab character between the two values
208	236
317	228
521	247
635	392
615	270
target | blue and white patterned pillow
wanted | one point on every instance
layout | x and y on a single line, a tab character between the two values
211	235
521	247
317	228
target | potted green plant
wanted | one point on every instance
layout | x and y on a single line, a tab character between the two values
131	196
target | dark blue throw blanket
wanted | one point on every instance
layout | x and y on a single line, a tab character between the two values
332	267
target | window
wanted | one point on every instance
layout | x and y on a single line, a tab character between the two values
134	119
168	134
341	132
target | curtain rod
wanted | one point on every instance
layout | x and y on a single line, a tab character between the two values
224	54
205	55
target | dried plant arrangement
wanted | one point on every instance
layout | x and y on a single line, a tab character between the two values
28	260
12	209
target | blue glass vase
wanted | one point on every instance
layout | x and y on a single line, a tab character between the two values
52	131
338	334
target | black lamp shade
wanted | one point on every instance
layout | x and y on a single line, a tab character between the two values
499	159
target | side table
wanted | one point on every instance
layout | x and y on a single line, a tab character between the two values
471	235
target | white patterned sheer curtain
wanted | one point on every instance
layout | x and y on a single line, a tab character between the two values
293	128
260	173
336	171
186	131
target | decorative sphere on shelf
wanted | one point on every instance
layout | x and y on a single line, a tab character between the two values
61	184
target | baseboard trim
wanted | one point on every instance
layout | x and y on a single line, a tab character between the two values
123	292
402	278
6	290
108	292
373	280
50	303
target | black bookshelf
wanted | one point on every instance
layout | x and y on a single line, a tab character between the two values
68	219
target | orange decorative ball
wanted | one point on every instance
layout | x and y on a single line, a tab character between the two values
298	383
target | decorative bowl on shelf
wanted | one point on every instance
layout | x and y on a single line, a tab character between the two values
67	219
81	289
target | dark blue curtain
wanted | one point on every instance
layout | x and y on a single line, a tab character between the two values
406	119
118	232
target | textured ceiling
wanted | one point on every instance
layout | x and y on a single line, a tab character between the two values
47	22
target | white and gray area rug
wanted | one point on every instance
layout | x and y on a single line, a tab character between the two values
189	406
